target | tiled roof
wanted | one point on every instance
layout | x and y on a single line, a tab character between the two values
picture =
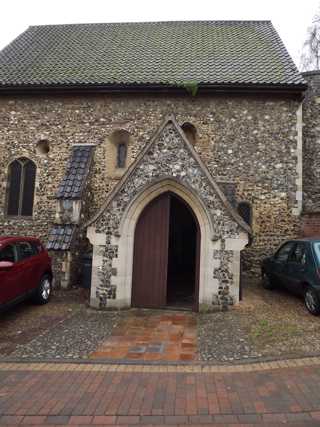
74	180
60	237
157	53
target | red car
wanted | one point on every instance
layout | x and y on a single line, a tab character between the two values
25	271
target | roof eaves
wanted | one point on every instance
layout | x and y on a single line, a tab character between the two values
147	87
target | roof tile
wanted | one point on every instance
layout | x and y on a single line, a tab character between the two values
60	237
74	181
170	53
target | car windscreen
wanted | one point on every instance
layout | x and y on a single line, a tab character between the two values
317	251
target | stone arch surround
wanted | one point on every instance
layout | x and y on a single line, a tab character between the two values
124	262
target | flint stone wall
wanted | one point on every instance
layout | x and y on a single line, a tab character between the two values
249	141
311	142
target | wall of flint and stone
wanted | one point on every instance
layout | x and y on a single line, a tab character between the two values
251	141
311	156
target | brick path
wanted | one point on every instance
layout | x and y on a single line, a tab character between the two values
97	394
152	336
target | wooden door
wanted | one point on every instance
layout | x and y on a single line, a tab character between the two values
150	258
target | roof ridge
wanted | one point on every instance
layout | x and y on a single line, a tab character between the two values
227	21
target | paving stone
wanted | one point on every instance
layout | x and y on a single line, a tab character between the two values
149	326
57	419
176	419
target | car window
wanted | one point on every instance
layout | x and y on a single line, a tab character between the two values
283	252
8	253
25	250
299	254
35	247
317	251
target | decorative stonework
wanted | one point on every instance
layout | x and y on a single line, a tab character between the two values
167	162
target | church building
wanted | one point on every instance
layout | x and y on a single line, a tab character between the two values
172	151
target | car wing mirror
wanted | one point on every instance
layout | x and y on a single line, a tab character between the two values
6	265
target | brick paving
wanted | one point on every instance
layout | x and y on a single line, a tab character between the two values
274	393
151	336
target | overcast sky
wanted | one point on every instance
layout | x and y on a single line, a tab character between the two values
290	18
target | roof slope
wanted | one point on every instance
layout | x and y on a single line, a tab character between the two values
75	177
157	53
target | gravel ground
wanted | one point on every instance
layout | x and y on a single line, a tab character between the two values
64	328
74	337
221	338
25	321
266	324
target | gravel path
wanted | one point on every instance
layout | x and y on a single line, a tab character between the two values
221	338
74	337
264	325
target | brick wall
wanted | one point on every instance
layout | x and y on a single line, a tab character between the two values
310	225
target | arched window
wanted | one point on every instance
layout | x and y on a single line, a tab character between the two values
121	155
190	132
245	211
21	184
120	139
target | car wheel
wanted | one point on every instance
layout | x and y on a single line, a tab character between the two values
43	292
311	301
267	283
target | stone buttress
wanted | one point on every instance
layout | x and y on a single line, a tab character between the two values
65	242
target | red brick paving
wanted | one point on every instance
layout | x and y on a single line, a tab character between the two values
75	394
152	337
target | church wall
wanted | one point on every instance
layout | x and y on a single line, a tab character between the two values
248	141
311	156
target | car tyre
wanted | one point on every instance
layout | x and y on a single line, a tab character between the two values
43	291
311	301
267	283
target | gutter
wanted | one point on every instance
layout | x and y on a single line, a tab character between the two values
202	89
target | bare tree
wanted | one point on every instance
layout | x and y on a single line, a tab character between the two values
310	57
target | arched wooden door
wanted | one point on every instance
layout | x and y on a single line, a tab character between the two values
150	261
153	235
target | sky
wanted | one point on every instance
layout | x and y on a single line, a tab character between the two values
291	18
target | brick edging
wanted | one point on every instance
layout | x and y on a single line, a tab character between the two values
217	419
156	367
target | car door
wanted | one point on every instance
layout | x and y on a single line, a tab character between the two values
26	263
11	279
280	261
39	263
297	268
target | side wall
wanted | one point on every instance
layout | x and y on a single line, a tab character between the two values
311	156
251	142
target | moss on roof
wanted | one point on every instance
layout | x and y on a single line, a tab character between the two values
168	53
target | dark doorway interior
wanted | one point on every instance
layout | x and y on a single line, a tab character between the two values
182	257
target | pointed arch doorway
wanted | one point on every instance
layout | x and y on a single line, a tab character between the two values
166	255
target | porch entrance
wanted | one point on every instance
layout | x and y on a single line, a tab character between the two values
166	255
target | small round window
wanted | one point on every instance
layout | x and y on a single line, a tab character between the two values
43	147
